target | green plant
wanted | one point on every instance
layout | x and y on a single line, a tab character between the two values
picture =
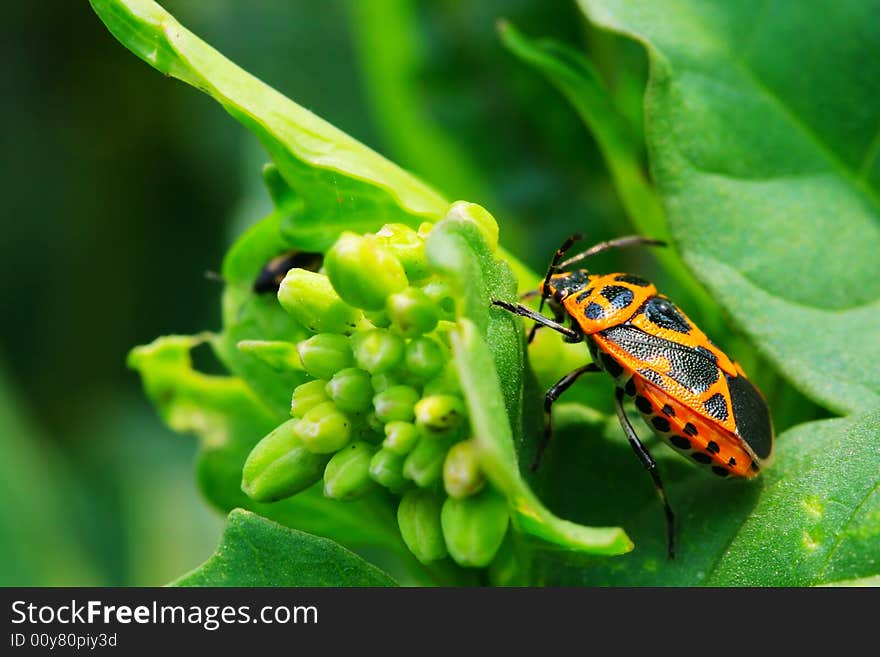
396	334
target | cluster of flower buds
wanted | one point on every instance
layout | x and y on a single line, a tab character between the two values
383	405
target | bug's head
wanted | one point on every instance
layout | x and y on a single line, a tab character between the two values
566	283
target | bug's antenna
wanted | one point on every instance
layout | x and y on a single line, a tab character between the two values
554	267
629	240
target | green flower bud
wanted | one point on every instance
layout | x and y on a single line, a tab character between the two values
384	381
396	403
324	429
378	350
280	466
378	318
440	415
462	475
375	424
351	390
412	312
313	302
474	527
425	229
424	357
363	270
419	519
409	247
306	396
386	468
444	384
440	293
347	476
325	354
424	465
400	437
477	215
280	356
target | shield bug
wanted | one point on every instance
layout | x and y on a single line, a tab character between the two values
688	391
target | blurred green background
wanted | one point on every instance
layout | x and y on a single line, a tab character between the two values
122	188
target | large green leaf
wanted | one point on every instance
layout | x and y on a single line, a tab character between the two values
813	517
763	134
343	184
258	552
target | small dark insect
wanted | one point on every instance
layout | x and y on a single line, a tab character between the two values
270	276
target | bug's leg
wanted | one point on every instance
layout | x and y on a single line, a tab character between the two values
628	240
522	311
651	466
552	395
552	269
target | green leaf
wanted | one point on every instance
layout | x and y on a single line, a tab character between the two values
343	184
229	420
492	378
258	552
495	442
771	179
813	516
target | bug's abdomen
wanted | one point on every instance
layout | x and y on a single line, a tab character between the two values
686	432
690	435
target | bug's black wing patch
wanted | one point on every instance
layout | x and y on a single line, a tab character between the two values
751	415
691	368
665	315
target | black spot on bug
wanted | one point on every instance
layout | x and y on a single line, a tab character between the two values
713	447
660	423
716	406
731	462
653	377
690	429
665	315
594	311
270	276
708	354
611	366
751	415
618	296
668	410
687	366
754	467
583	296
644	405
680	441
630	388
632	280
720	471
699	457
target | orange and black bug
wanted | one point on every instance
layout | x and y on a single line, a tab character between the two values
688	391
270	276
